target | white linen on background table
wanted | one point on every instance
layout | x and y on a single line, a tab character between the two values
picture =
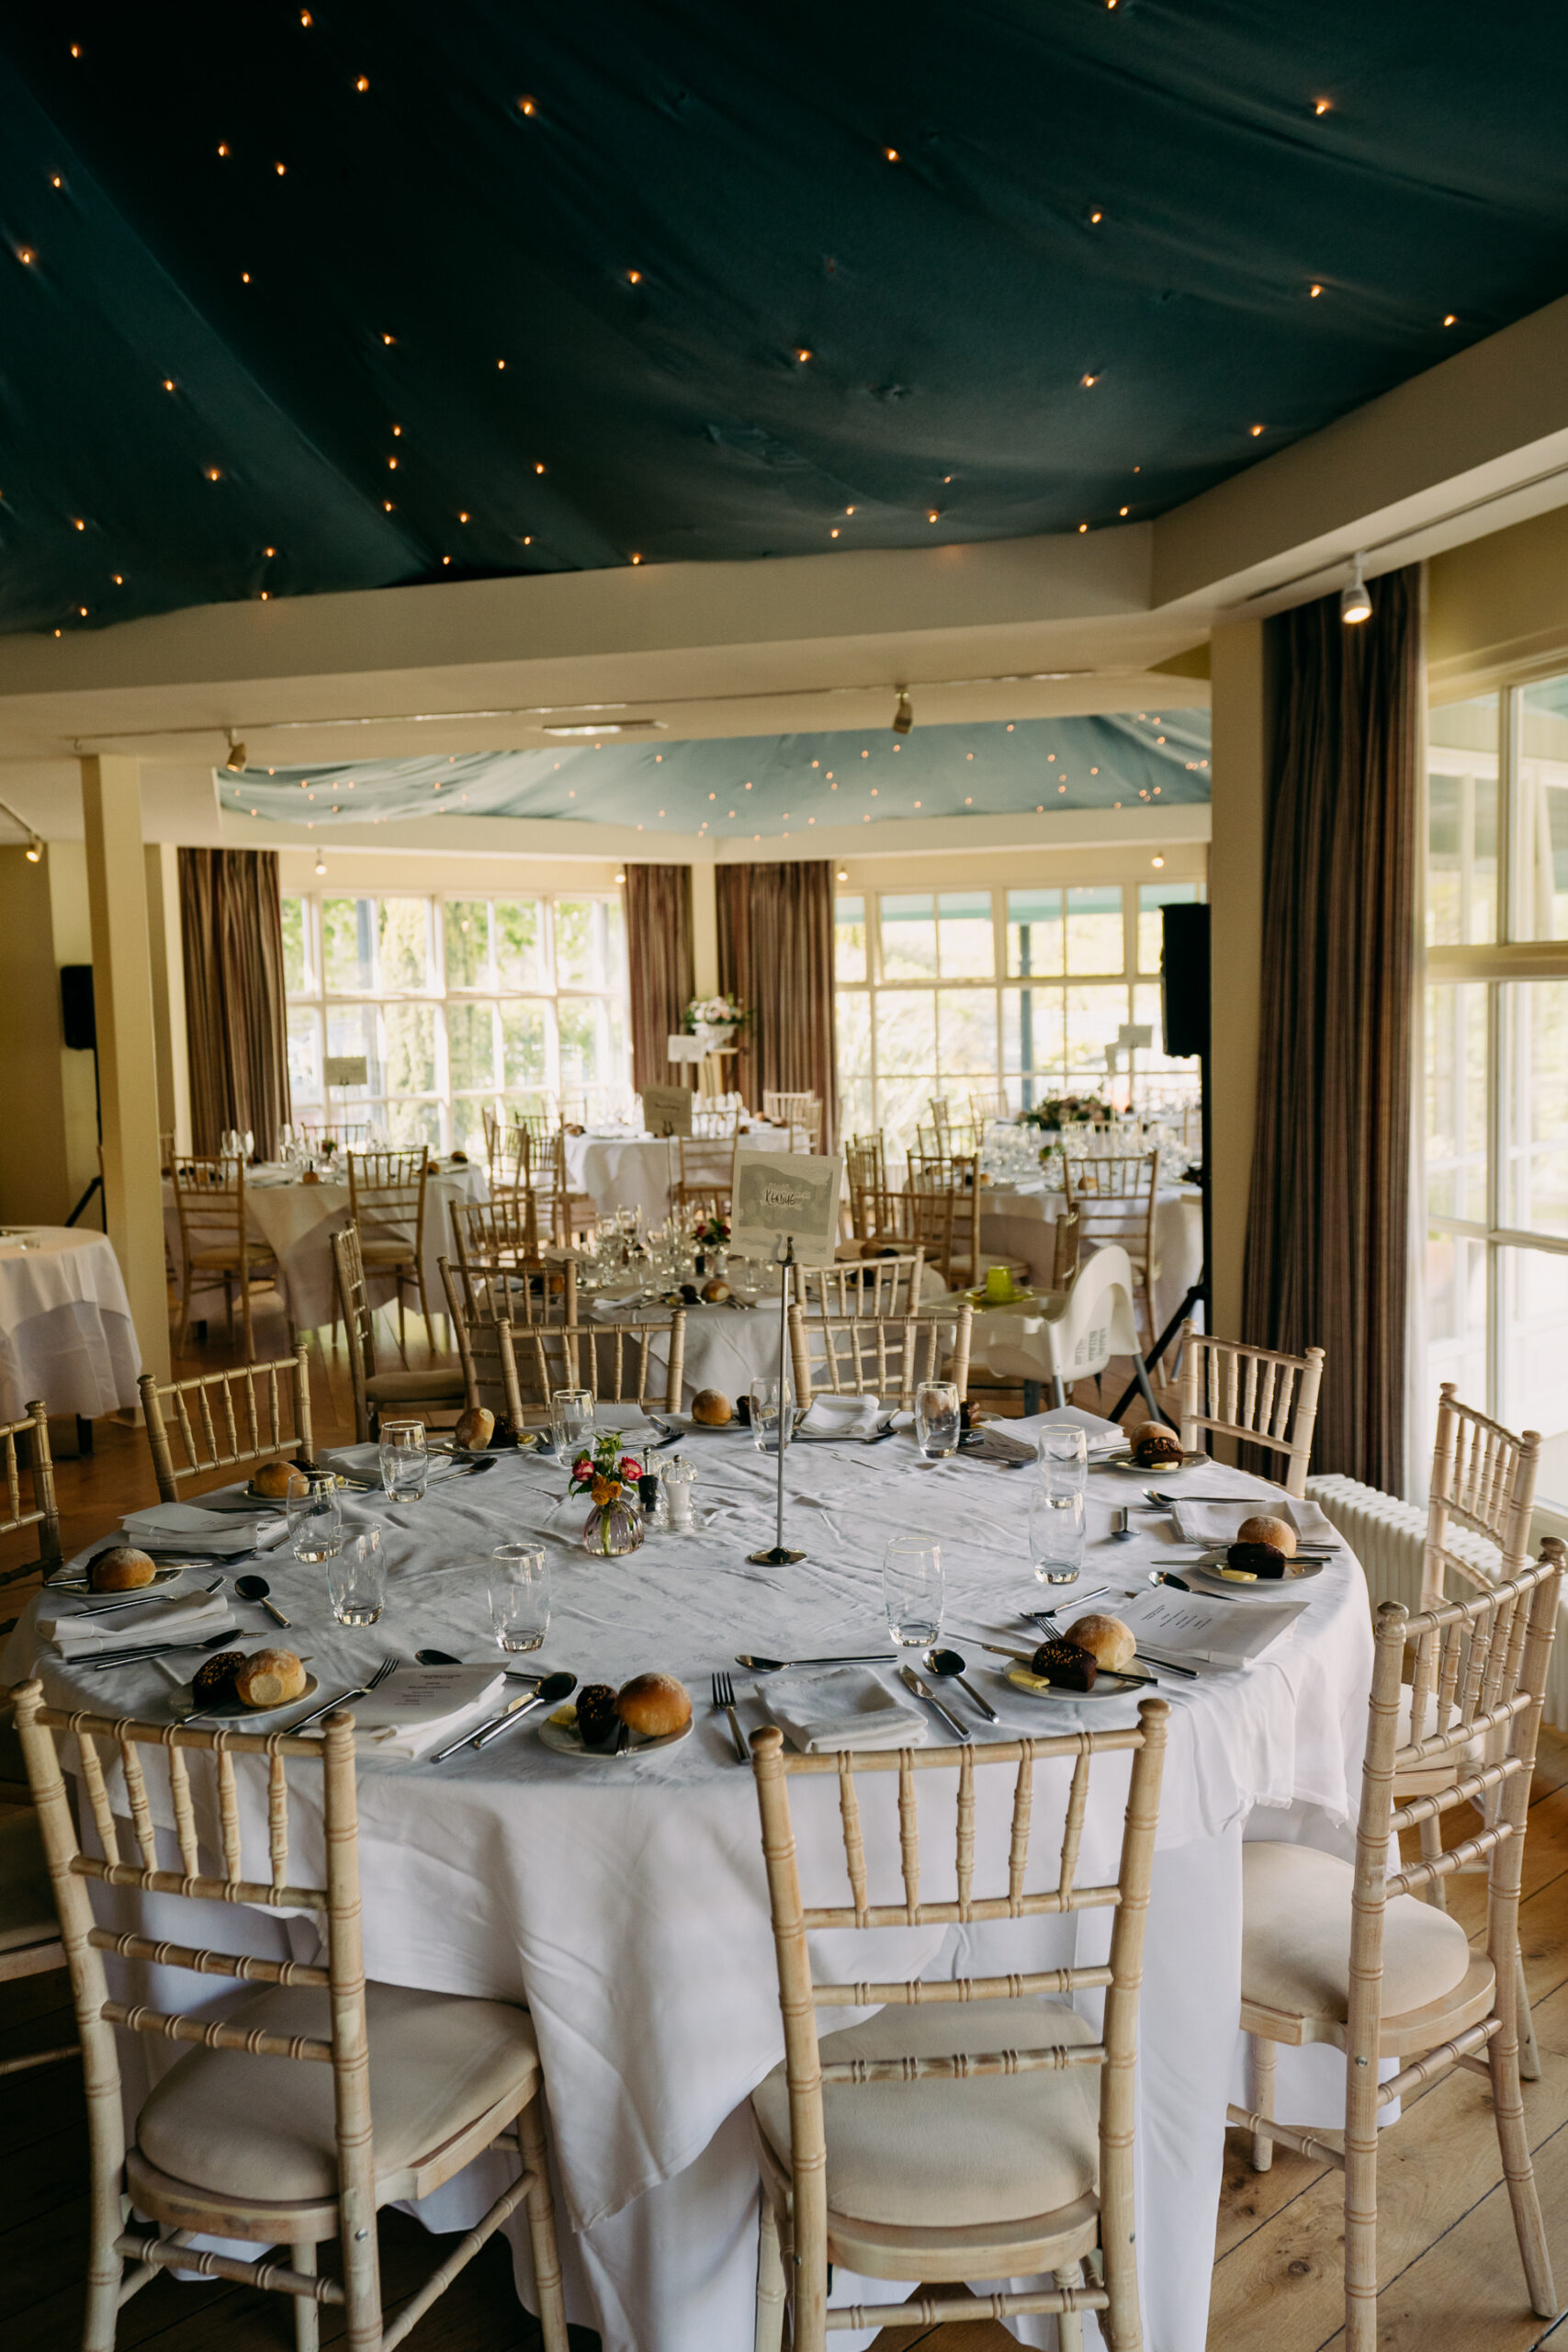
65	1328
627	1905
628	1171
1015	1224
297	1222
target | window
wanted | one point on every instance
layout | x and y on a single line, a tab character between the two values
977	991
1496	1062
456	1004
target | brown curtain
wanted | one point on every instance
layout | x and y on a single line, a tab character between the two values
663	980
775	953
236	1024
1326	1244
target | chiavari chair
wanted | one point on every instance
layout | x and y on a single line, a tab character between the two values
223	1420
954	1177
619	1363
886	1356
43	1511
880	1286
437	1388
977	2127
1117	1198
385	1206
30	1932
1346	1954
480	1296
398	2090
865	1171
216	1242
1259	1394
800	1113
701	1178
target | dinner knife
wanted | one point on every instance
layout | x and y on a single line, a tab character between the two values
136	1600
911	1681
774	1665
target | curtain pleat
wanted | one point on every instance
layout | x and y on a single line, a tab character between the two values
1326	1244
236	1018
664	981
775	953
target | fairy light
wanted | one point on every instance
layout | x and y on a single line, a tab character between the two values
1083	526
26	255
393	464
77	523
890	154
848	509
1122	510
1451	321
389	339
1255	430
834	532
462	518
223	146
362	83
168	383
933	516
269	553
1322	105
75	51
55	180
803	356
1315	291
245	278
213	473
118	579
1087	380
501	363
280	169
538	467
1095	219
527	106
633	277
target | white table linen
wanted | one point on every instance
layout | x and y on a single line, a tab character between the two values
296	1222
1016	1223
628	1171
65	1328
625	1903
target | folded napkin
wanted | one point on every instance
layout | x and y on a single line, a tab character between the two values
353	1462
1102	1436
823	1710
1216	1522
170	1527
420	1707
192	1618
996	1443
840	1417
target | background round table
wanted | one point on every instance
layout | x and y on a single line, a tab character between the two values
618	1169
627	1904
65	1328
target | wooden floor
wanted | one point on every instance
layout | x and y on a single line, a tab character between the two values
1450	2274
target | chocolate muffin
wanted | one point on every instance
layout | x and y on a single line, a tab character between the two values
215	1679
1065	1665
1257	1559
597	1721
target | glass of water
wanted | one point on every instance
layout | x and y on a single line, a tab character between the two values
1057	1528
520	1595
356	1579
936	1419
769	1399
571	1420
405	1460
314	1514
912	1590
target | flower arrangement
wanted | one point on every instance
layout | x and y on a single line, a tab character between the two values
715	1017
1064	1110
711	1232
603	1473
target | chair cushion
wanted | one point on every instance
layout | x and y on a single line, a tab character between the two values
934	2154
408	1388
264	2127
1295	1941
26	1899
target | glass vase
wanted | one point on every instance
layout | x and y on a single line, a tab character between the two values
610	1528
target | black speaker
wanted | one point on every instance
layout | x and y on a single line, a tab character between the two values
1184	980
76	1006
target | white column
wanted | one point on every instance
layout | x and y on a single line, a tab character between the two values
1242	704
168	991
705	927
127	1065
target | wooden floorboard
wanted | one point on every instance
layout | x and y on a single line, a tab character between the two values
1448	2265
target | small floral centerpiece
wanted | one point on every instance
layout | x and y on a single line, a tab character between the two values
608	1477
1060	1110
711	1233
716	1019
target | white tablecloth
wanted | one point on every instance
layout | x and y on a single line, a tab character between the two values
65	1328
298	1221
627	1904
625	1171
1019	1225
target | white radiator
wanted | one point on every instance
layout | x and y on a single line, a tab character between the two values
1386	1535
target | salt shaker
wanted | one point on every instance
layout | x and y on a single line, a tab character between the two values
680	1502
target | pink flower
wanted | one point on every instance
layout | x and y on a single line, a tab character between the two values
583	1466
630	1466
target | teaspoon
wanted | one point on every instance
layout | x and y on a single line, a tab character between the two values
949	1666
258	1589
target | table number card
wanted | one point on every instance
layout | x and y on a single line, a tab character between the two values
793	1193
667	1109
347	1069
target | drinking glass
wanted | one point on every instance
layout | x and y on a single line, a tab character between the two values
356	1579
405	1460
765	1408
936	1419
571	1420
1064	1446
1056	1530
314	1514
520	1595
912	1590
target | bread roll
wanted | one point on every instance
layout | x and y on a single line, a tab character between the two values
1154	1444
475	1427
123	1569
716	1292
270	1678
712	1408
1065	1665
1109	1642
1266	1529
1254	1560
653	1705
272	1478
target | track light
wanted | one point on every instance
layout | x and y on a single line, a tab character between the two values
1355	603
842	876
321	862
903	718
620	877
34	850
237	758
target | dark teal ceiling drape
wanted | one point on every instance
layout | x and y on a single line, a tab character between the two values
682	304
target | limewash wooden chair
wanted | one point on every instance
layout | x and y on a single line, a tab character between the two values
1231	1389
886	1356
224	1419
941	2141
397	2092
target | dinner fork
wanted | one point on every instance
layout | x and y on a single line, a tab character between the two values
1045	1620
387	1666
724	1696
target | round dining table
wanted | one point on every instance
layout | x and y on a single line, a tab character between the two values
624	1900
619	1168
1019	1221
66	1334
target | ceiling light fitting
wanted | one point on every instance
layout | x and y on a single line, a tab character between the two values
238	756
1355	603
903	718
321	862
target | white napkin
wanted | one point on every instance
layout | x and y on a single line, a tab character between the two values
1216	1522
823	1710
1102	1436
840	1417
420	1707
354	1461
169	1527
996	1443
1190	1625
191	1619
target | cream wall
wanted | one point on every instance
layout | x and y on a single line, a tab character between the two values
49	1157
1497	610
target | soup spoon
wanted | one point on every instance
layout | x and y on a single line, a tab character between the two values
950	1665
258	1589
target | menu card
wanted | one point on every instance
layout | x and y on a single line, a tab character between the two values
1222	1633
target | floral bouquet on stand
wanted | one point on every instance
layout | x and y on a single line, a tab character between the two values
716	1019
609	1478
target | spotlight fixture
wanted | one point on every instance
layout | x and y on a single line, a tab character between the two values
620	877
237	758
842	876
321	862
34	850
903	718
1355	603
